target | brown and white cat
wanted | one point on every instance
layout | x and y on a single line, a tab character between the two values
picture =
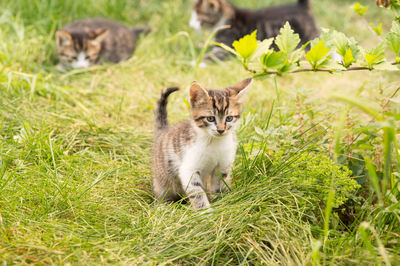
191	157
267	21
85	42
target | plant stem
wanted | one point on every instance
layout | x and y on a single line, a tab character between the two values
274	72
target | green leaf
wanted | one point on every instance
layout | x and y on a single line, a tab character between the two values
360	9
274	60
247	45
287	40
395	27
317	54
393	38
296	56
377	29
348	58
262	48
343	43
375	56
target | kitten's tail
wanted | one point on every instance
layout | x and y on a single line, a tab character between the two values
140	30
304	3
161	112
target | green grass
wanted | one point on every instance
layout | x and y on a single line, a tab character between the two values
75	149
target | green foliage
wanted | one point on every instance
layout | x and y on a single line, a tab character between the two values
273	60
75	148
374	56
287	40
360	9
289	59
346	47
320	174
393	38
378	29
317	56
386	188
348	58
246	46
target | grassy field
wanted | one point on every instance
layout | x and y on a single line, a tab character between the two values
75	149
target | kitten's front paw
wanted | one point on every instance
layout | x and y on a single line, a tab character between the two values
205	210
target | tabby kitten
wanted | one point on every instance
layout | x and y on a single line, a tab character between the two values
192	157
85	42
267	21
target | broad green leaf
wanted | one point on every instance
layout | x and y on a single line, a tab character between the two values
262	48
287	40
377	29
348	58
341	43
296	55
247	45
393	38
317	54
254	62
328	36
360	9
371	59
274	60
337	42
375	56
395	27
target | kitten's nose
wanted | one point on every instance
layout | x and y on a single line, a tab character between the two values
220	131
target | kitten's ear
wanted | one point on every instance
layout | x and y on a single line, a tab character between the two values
240	88
101	34
197	93
63	38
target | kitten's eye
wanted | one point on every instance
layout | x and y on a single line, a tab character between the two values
74	57
210	119
229	118
87	57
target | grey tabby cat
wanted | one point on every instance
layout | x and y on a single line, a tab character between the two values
267	21
192	157
86	42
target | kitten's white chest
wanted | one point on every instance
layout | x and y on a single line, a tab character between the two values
206	155
194	21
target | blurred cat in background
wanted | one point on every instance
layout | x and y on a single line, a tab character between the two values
267	21
87	42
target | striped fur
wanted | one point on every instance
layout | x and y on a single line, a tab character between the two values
85	42
191	157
